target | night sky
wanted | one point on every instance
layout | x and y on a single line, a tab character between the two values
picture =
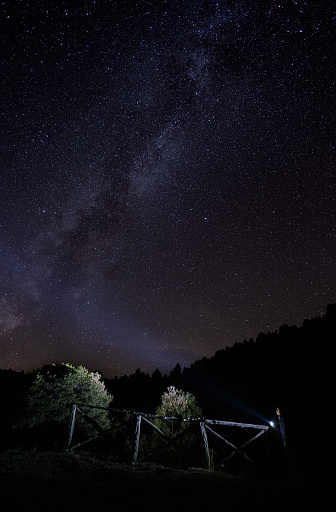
167	177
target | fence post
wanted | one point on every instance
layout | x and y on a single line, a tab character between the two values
71	426
137	439
206	444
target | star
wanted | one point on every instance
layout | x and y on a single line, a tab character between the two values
167	179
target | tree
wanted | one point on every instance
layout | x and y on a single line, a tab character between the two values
175	402
179	405
56	388
175	376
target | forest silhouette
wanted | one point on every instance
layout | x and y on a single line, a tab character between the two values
290	370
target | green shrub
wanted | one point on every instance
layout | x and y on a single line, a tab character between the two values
175	402
179	405
56	388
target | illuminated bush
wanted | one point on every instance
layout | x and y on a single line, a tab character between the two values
175	402
57	387
179	404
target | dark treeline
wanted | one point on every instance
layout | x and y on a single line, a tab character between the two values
291	369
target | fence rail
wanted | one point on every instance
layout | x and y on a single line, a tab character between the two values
204	425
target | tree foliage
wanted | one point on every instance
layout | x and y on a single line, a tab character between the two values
178	403
175	406
57	387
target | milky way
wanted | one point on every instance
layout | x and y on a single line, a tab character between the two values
167	178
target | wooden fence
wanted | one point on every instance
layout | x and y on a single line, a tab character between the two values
206	427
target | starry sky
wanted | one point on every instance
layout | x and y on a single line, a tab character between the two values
167	177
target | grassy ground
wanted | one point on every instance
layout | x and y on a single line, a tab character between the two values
67	481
